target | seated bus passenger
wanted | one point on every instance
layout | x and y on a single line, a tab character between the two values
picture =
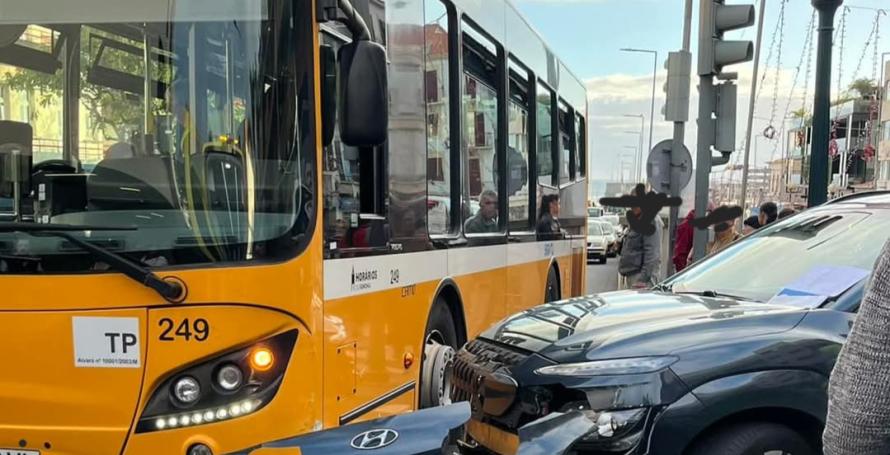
485	221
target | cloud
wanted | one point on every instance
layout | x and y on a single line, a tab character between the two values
610	97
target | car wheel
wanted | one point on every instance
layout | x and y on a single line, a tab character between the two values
603	260
440	345
754	438
551	292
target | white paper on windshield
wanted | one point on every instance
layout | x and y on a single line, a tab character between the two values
830	281
798	300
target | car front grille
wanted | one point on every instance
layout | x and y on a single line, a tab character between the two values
477	359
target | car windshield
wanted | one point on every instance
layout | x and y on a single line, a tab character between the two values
594	229
759	266
190	121
608	228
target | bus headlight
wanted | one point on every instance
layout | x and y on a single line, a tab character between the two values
229	377
228	386
186	389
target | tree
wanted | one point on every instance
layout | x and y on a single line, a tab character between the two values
866	88
112	112
802	116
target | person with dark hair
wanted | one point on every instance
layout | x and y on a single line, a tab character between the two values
548	217
640	253
785	213
769	212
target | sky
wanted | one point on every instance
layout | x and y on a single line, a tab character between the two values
587	35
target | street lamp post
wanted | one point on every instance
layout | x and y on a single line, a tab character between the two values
642	133
636	171
636	159
818	190
654	73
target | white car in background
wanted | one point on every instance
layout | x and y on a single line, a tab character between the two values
611	233
597	242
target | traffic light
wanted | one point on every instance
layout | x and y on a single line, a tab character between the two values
676	89
716	19
725	113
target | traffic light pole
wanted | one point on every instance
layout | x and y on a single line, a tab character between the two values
676	160
707	94
818	185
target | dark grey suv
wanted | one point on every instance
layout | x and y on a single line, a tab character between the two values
732	356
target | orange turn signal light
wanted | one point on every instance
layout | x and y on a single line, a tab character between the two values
261	358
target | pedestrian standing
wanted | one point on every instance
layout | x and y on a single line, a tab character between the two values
683	244
724	235
858	421
640	253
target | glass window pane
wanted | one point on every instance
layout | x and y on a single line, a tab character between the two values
567	164
184	120
517	167
480	176
545	140
438	131
581	135
34	96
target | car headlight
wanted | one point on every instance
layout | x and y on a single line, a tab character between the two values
611	431
227	386
635	365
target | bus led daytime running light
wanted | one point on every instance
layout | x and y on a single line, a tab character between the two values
210	415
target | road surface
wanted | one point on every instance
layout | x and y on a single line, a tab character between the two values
602	277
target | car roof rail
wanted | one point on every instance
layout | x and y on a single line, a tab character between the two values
854	196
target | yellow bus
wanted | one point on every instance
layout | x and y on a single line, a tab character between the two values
226	222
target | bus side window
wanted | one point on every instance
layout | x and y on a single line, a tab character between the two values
518	194
354	191
480	154
581	135
437	90
544	149
568	157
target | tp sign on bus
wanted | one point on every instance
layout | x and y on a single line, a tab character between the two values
106	342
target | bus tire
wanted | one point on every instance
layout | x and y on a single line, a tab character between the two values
440	346
551	291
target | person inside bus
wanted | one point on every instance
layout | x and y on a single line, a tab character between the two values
485	221
548	218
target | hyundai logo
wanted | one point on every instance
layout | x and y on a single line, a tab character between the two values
374	439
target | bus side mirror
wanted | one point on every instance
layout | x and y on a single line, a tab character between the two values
364	103
328	94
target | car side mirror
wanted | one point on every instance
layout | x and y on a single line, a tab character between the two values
364	103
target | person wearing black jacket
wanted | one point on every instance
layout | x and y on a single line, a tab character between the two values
548	227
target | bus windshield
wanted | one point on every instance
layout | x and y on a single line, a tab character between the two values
189	123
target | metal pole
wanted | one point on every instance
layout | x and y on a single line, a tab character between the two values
880	128
642	133
706	131
818	185
678	142
753	98
651	111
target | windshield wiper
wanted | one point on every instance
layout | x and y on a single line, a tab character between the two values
715	294
169	290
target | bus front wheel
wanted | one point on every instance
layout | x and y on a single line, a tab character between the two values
440	345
